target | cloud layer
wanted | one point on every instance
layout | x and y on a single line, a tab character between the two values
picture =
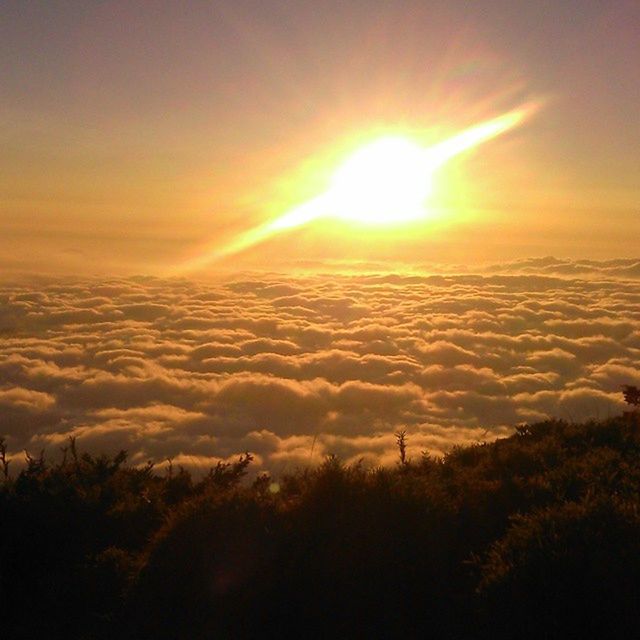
292	368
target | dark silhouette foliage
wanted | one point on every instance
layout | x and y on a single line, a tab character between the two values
536	535
631	395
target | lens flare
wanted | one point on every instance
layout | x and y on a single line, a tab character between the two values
383	182
387	181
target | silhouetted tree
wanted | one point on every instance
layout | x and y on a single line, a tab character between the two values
401	441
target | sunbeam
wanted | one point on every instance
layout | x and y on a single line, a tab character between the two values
385	182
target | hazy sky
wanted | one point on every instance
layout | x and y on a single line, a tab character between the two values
135	134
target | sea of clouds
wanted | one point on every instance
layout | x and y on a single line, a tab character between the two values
291	368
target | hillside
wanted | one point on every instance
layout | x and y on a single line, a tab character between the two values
535	535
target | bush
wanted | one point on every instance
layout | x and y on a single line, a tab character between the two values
536	535
570	570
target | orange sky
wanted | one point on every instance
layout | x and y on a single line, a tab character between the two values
134	135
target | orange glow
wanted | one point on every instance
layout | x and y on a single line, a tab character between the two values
385	182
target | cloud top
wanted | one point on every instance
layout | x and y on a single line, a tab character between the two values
292	368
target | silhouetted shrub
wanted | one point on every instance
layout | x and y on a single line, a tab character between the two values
207	570
570	570
536	535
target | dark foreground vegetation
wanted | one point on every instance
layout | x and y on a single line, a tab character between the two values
533	536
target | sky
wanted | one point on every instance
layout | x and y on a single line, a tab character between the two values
140	136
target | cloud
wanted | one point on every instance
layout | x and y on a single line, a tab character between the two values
626	268
294	367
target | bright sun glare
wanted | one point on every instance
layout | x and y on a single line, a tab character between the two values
385	182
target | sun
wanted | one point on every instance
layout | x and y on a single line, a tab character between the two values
384	182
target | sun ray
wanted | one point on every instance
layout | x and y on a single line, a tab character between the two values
384	182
